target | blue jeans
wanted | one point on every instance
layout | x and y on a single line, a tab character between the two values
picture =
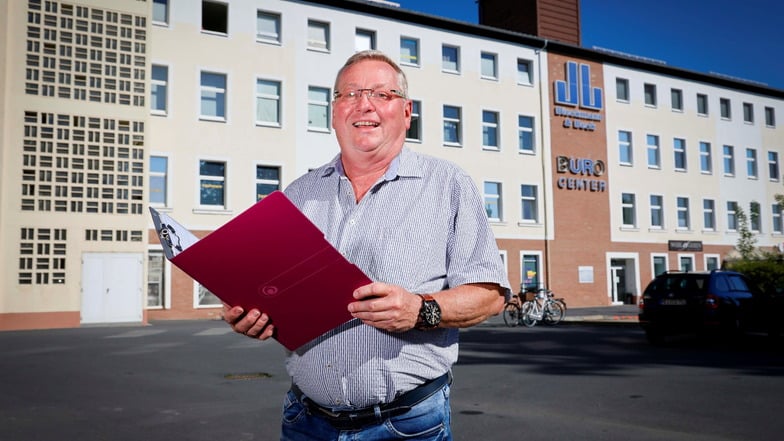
427	421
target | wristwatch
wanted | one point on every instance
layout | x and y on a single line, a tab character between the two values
429	313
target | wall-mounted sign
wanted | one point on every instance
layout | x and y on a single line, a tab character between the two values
684	245
577	93
582	171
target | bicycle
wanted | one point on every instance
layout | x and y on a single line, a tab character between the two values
538	305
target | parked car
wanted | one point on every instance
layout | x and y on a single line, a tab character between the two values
723	303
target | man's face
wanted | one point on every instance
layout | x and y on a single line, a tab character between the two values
365	124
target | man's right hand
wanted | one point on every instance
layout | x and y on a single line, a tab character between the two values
254	324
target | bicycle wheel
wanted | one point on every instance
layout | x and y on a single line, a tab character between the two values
528	311
511	315
553	313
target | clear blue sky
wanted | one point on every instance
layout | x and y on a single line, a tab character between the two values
743	39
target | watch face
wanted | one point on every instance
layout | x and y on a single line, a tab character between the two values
431	313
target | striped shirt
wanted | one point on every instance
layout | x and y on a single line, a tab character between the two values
422	226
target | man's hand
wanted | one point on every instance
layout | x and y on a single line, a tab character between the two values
385	306
254	324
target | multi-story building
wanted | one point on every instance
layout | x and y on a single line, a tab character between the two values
598	169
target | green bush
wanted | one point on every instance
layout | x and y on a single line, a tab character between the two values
766	271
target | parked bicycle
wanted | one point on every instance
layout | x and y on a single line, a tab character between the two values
532	305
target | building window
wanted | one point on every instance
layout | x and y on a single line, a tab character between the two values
490	130
729	160
525	71
726	108
318	108
159	82
159	180
206	298
650	94
364	40
452	129
525	134
687	263
531	274
213	95
212	183
770	117
706	161
622	90
489	66
711	263
414	132
409	51
702	104
684	223
751	163
450	59
679	149
657	211
754	217
493	200
160	12
732	215
709	214
773	166
267	180
659	264
625	153
268	27
654	153
156	279
748	113
676	96
529	203
215	17
776	222
629	210
268	102
318	35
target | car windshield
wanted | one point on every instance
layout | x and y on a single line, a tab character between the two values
683	284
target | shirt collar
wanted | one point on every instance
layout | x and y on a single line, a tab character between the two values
405	164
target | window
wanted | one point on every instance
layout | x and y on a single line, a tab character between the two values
654	154
213	95
493	200
490	130
732	215
160	12
751	163
729	160
268	102
702	104
489	66
364	40
657	211
754	217
267	180
414	132
748	113
684	223
776	223
452	127
629	210
726	108
679	150
686	263
268	27
450	59
158	89
318	108
659	264
529	203
650	94
159	180
156	282
525	71
205	298
625	154
773	166
706	162
409	51
622	89
709	214
215	17
212	183
531	274
318	35
711	263
770	117
676	97
525	134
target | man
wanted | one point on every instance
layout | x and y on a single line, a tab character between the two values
417	227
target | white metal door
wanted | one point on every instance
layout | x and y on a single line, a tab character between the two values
112	287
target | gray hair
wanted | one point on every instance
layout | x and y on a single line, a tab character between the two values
375	55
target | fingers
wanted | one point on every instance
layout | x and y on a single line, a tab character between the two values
253	324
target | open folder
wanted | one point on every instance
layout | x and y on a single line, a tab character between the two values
272	258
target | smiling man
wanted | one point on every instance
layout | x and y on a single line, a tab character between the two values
416	226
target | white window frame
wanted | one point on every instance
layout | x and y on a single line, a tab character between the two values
774	171
702	104
155	85
446	64
684	256
525	77
752	169
706	158
679	154
683	209
488	65
732	216
526	132
628	210
770	117
160	7
495	198
406	58
531	202
709	213
728	160
649	94
272	36
676	100
262	97
364	39
318	35
491	127
223	179
221	94
656	208
707	257
625	149
653	149
225	4
666	258
167	179
456	122
748	113
325	104
755	218
622	90
416	122
197	287
777	219
725	108
263	181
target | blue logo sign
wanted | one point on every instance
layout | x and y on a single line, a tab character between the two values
577	90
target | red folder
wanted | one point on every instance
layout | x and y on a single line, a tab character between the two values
272	258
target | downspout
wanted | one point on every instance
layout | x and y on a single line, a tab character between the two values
545	200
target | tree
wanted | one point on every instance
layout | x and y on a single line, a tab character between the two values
747	239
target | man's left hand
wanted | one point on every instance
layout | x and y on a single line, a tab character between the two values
385	306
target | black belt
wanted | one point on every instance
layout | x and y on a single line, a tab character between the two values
355	419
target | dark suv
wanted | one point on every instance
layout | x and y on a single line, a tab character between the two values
722	302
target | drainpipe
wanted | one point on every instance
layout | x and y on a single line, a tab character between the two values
544	117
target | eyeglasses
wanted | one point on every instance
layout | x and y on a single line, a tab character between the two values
374	95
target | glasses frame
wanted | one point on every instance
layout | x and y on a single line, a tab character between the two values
354	95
